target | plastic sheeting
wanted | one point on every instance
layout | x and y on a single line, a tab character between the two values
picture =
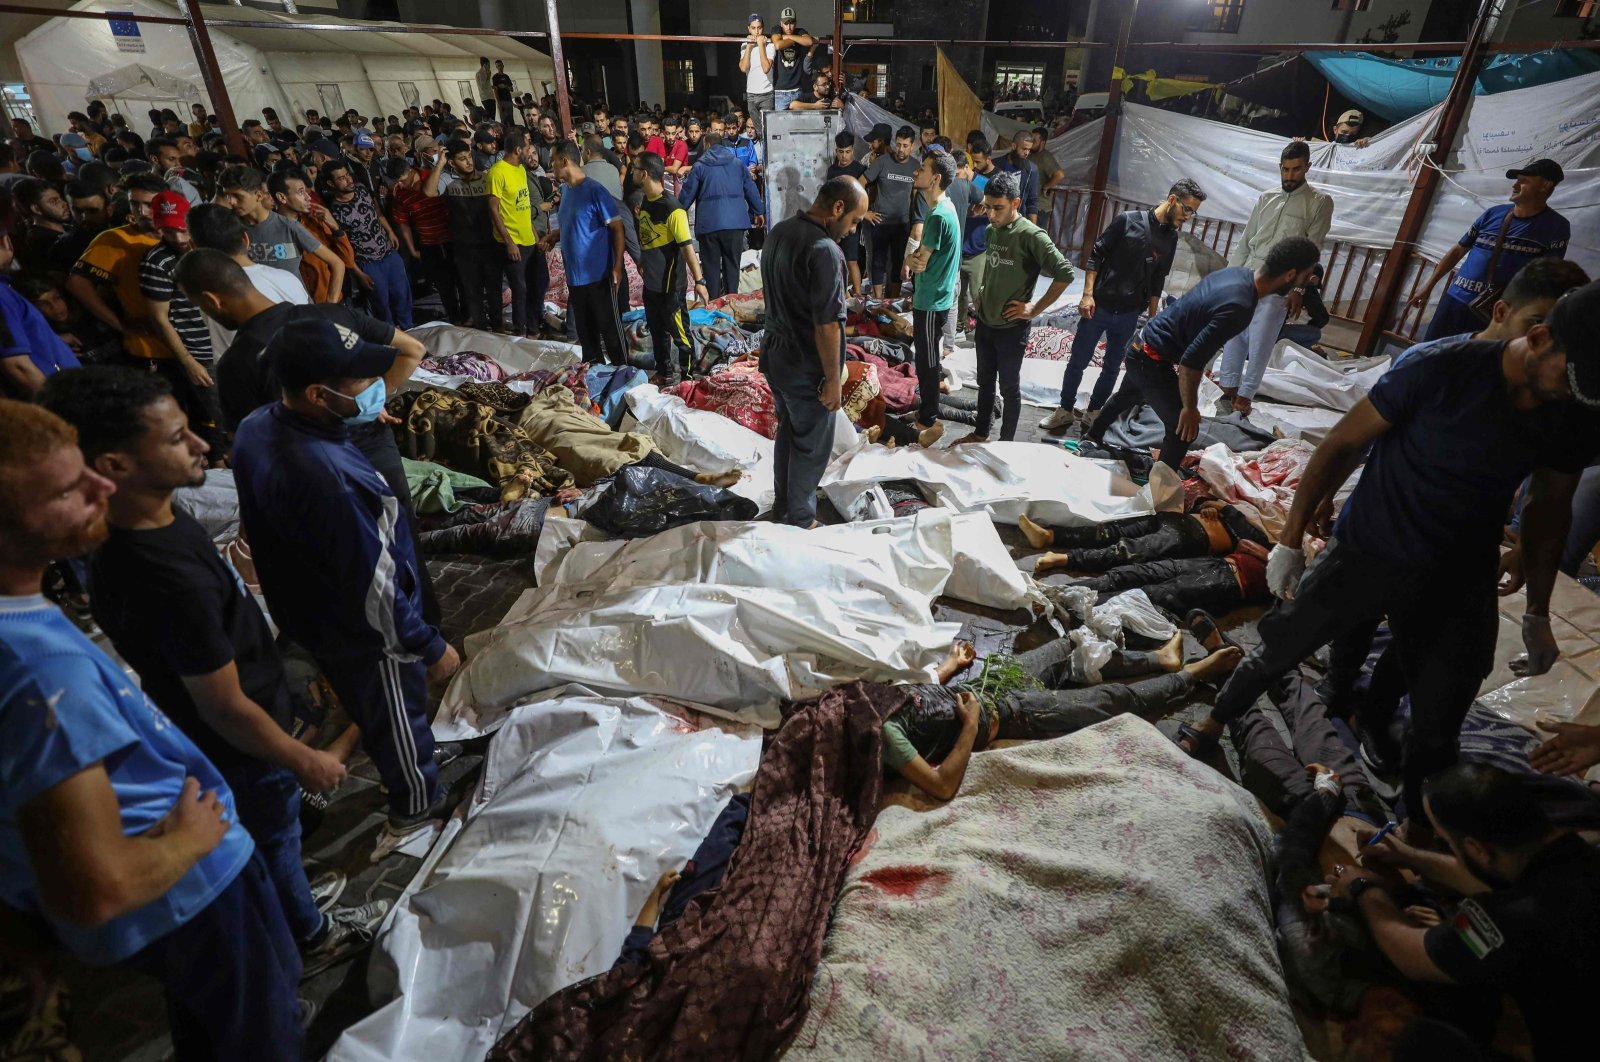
1397	89
1301	378
537	886
732	616
1006	480
514	354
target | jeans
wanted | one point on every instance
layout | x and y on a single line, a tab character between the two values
1000	354
1051	663
927	327
1244	358
667	317
803	443
230	975
268	799
1118	329
1307	335
1151	383
391	290
388	699
781	98
1038	714
719	254
1275	772
1164	536
1452	318
1175	585
481	266
529	280
758	103
438	264
1444	623
888	252
593	308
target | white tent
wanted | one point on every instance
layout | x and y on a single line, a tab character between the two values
288	69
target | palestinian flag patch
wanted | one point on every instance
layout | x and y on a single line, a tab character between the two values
1476	929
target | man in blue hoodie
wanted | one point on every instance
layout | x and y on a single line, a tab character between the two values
727	203
335	555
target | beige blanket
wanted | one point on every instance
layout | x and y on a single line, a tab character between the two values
1100	896
584	444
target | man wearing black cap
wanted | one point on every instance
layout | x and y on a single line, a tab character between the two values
1447	438
335	555
1503	240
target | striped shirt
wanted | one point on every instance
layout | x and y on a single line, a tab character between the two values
157	283
429	217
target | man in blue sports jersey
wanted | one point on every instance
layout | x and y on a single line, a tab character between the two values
119	840
335	555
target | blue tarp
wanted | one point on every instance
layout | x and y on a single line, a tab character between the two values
1397	89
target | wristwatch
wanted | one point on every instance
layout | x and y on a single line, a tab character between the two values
1361	885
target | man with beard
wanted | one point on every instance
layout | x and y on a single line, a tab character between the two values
803	273
1168	357
891	177
121	841
1297	210
46	212
1446	440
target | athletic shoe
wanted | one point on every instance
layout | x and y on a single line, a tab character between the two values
350	929
446	752
326	888
404	825
1059	420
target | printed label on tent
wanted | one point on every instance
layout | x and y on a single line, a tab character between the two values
125	31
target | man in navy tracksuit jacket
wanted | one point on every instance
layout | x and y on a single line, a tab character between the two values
726	200
335	554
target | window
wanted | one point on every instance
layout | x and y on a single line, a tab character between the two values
866	11
1018	81
467	90
1218	16
927	77
332	100
409	96
680	76
1576	8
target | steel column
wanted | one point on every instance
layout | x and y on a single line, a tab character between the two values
1108	133
558	60
211	74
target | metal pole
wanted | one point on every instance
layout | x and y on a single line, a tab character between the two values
1108	133
1387	287
838	47
559	60
200	39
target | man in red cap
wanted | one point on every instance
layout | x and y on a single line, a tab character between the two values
178	323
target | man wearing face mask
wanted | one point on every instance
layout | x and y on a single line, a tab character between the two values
337	562
1297	210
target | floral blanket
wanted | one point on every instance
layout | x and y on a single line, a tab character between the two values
738	392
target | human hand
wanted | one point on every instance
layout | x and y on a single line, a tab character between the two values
513	252
1418	298
1294	302
73	343
1285	565
831	394
1420	916
364	280
1389	852
446	665
197	374
761	221
967	710
1086	307
195	817
1573	749
1344	876
1511	576
873	217
617	276
414	253
1017	310
1188	424
319	771
1540	643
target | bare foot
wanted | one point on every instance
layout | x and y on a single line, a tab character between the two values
889	445
1038	537
961	654
970	437
1170	656
944	387
1049	562
719	479
1219	664
929	436
873	433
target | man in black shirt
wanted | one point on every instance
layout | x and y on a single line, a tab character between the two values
845	164
1126	269
501	82
790	45
803	355
1530	923
454	174
183	620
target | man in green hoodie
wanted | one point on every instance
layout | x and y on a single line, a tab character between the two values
1018	253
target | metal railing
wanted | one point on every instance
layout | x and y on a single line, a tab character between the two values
1350	272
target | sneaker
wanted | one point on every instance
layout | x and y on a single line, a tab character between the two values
1059	420
403	825
1086	420
350	929
446	752
326	888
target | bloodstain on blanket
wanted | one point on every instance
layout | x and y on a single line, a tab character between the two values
907	881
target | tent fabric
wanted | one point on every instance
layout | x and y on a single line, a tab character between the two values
289	69
1161	88
136	81
959	108
1398	89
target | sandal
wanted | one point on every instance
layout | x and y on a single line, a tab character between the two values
1201	746
1203	625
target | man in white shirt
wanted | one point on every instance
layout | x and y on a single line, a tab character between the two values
1297	210
755	59
215	226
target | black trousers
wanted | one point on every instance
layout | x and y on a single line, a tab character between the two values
481	268
1176	585
667	317
1444	621
889	251
438	264
200	404
719	257
1153	383
927	326
529	280
1051	663
1000	354
1164	536
1038	714
1275	772
594	314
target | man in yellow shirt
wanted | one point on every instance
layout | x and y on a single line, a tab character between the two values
511	212
110	264
667	261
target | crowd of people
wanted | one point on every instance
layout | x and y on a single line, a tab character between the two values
170	307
